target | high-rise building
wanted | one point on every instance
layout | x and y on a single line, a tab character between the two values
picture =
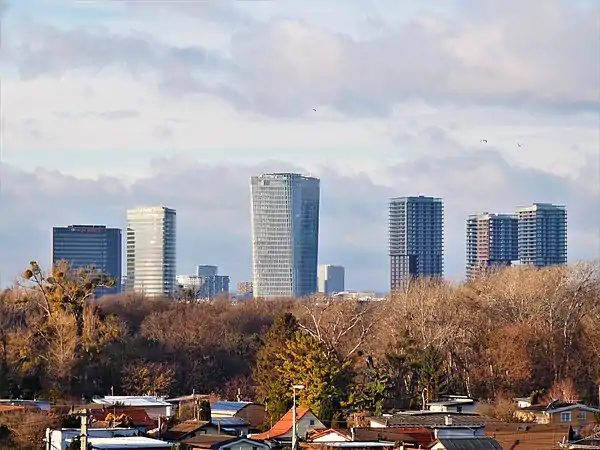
416	239
87	246
151	250
244	289
542	234
285	234
492	242
207	271
331	279
204	287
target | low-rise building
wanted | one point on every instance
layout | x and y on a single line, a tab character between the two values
253	413
282	430
221	442
574	414
155	407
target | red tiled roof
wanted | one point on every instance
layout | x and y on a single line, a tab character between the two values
11	408
284	425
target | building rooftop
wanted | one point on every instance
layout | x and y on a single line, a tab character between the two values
120	443
127	400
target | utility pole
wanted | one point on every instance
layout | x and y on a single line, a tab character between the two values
294	426
84	431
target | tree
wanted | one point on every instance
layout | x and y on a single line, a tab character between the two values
564	391
369	391
147	378
308	362
432	373
271	390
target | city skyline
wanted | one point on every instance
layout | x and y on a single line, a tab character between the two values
108	105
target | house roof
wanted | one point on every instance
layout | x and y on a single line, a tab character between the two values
10	408
470	444
209	440
180	431
466	401
230	421
126	400
284	425
542	436
133	442
228	407
557	407
431	419
139	416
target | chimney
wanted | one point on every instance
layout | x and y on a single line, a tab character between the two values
448	420
352	436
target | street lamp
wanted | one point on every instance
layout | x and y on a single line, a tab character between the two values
296	387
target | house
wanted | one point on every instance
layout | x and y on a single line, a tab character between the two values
529	435
121	417
222	442
253	413
231	425
189	429
479	443
457	404
443	425
369	438
574	414
59	439
127	443
522	402
155	406
282	430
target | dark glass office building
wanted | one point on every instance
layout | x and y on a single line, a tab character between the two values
84	246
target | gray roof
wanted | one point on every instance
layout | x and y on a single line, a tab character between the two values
431	419
470	444
229	407
229	421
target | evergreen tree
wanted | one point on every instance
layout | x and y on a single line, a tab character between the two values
271	390
432	373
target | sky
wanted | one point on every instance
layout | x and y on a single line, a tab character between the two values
111	104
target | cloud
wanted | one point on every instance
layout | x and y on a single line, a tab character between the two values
543	54
212	203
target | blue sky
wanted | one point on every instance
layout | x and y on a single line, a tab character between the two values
111	104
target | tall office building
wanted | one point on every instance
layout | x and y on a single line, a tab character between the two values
86	246
542	234
285	234
492	241
151	251
331	279
416	239
207	271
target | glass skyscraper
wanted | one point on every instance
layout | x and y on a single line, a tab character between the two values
86	246
151	251
542	234
416	239
285	234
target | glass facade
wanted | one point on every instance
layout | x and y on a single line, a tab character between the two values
492	241
86	246
331	279
542	235
151	251
285	234
416	239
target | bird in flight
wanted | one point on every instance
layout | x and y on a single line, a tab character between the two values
519	145
314	109
484	141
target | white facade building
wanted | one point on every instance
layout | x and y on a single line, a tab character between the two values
151	251
331	279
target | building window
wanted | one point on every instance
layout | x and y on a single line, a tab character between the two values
565	416
582	415
312	422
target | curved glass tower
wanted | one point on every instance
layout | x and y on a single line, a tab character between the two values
285	234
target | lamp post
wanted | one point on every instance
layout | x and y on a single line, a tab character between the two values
296	387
